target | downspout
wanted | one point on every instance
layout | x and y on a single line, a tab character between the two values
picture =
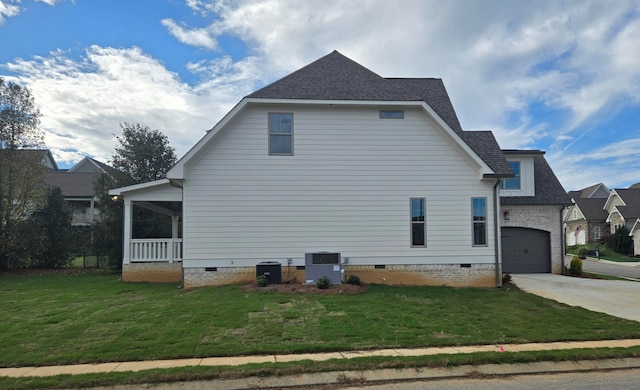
562	243
496	233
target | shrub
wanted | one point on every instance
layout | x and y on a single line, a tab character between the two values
575	268
262	281
506	278
323	283
355	280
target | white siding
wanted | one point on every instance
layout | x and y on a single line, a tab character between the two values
527	177
346	189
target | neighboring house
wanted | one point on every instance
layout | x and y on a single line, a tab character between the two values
586	220
531	206
76	185
335	158
623	208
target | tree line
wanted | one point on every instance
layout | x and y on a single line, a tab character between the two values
35	221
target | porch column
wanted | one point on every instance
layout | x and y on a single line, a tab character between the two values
174	236
126	252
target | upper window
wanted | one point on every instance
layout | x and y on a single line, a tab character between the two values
513	183
388	114
418	222
575	214
479	222
281	133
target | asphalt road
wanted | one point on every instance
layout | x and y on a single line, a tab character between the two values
628	270
621	379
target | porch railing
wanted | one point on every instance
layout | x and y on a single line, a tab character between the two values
156	249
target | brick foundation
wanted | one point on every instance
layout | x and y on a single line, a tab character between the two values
152	272
476	275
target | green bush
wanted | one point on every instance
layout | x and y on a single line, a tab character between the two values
323	283
575	268
355	280
262	281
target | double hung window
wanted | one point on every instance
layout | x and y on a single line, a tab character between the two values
280	134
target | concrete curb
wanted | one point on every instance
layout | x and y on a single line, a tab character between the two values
373	377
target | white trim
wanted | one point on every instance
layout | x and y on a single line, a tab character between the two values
636	224
178	170
137	187
609	199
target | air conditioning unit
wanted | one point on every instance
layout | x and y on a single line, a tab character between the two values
321	264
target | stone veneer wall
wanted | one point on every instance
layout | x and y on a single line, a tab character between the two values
152	272
476	275
545	218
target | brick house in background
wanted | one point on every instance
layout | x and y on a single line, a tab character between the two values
586	219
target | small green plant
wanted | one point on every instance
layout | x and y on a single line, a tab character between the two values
355	280
323	283
506	278
575	268
262	281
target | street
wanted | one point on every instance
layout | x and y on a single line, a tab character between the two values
609	268
619	379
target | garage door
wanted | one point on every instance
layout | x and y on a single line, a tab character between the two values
525	251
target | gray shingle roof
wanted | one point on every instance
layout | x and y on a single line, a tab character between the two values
631	198
486	146
548	190
592	208
73	184
336	77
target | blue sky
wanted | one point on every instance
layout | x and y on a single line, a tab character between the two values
560	76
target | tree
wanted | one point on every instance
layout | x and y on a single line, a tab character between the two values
50	227
142	155
21	170
620	241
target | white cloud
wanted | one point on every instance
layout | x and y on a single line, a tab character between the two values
615	164
198	37
8	9
83	102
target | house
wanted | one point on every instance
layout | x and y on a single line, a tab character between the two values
76	185
334	158
585	219
623	209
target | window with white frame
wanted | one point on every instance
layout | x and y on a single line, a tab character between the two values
479	221
596	232
418	222
281	133
514	182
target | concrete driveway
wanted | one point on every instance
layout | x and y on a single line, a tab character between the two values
614	297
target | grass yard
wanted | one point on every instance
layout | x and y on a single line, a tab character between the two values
94	317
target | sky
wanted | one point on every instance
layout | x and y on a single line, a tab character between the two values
561	76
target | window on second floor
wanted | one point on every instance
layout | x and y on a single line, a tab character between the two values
575	214
391	114
513	183
280	134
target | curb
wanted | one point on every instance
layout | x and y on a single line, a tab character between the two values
373	377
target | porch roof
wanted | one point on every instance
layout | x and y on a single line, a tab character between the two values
156	191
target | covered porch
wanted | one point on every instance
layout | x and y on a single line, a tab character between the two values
160	196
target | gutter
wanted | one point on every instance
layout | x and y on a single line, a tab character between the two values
496	220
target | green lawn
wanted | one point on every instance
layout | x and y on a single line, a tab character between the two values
58	319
